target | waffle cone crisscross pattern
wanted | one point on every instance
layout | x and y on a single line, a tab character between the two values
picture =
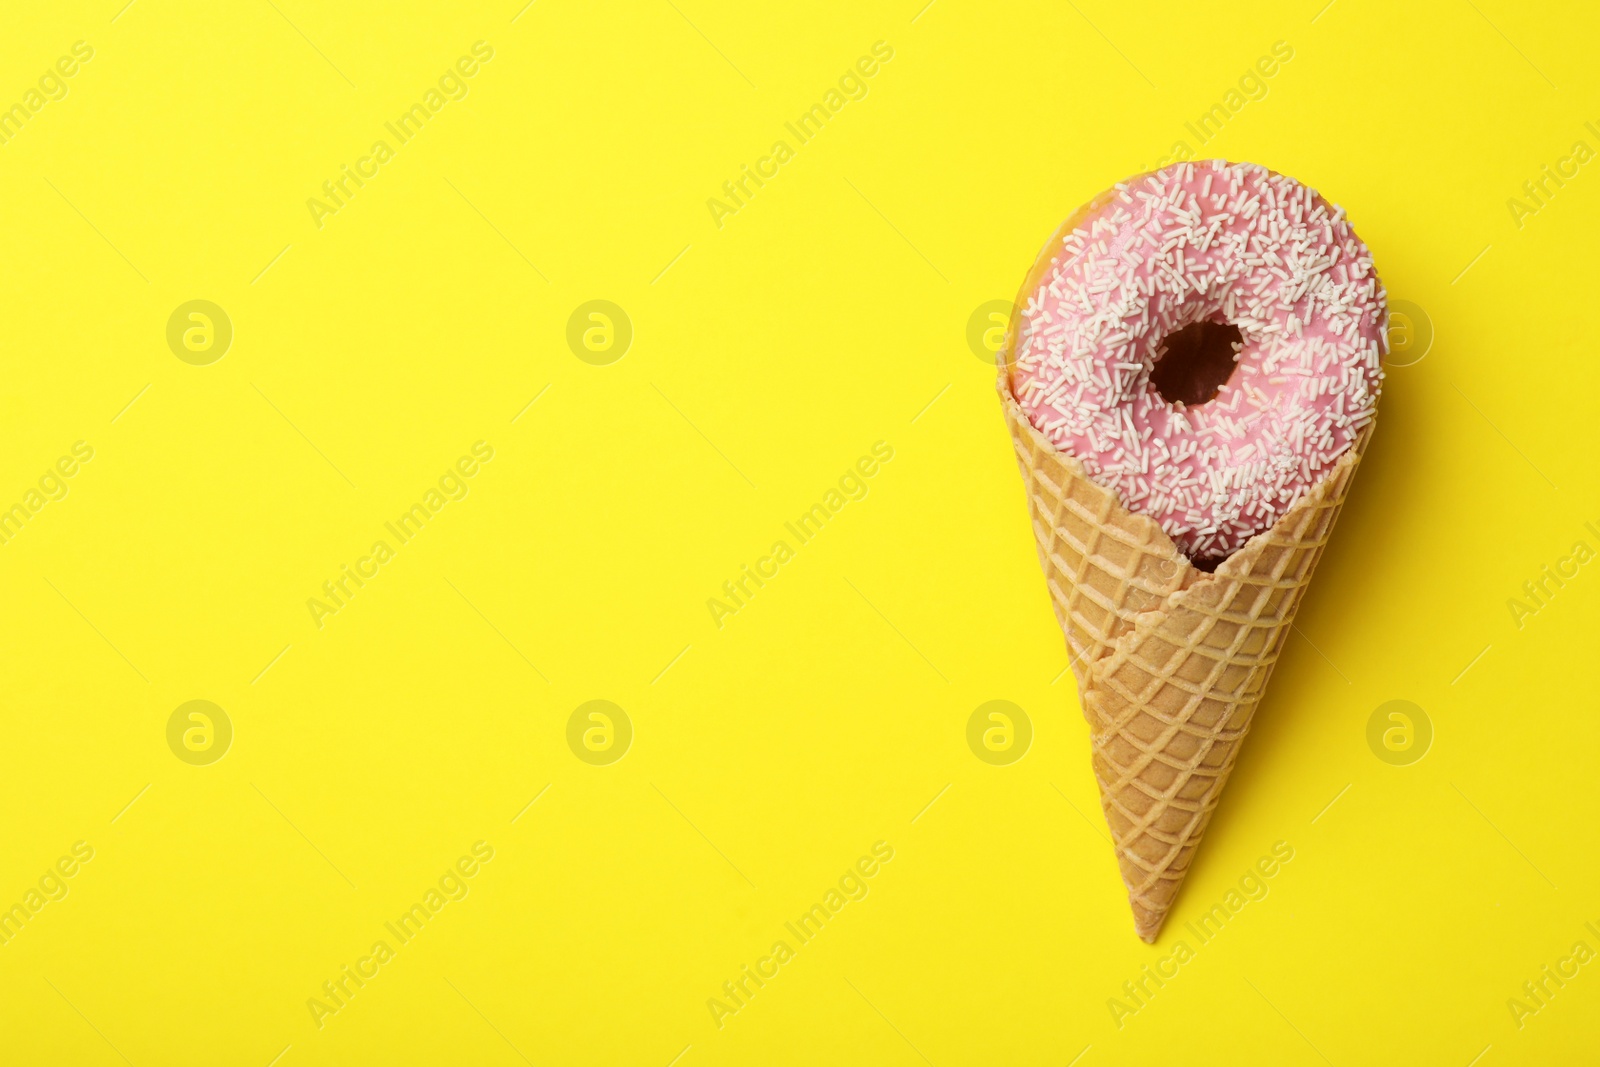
1170	661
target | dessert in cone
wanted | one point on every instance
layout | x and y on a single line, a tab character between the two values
1171	659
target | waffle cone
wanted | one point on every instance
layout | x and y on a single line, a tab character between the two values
1170	661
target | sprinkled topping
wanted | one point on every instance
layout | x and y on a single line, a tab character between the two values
1206	242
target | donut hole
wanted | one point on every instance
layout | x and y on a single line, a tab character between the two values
1194	363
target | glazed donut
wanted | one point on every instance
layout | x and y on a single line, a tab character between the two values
1206	340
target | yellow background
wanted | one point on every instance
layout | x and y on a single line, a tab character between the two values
768	355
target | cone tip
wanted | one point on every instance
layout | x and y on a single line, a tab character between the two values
1149	928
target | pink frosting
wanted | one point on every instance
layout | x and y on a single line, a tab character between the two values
1206	241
